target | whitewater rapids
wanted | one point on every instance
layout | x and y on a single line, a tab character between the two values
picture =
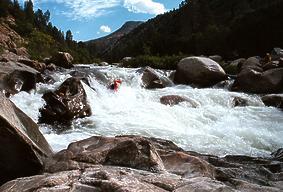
214	127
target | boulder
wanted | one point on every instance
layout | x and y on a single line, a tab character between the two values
234	67
199	71
23	148
274	100
33	64
152	80
176	99
62	59
251	81
252	63
239	102
133	152
16	77
271	65
66	103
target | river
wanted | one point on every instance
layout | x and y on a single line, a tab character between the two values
214	127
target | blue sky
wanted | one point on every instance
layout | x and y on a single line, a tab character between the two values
91	19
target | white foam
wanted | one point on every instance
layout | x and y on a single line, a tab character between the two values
215	127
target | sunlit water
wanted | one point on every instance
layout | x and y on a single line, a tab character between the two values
214	127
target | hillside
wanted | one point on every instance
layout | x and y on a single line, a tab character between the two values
103	44
30	33
230	28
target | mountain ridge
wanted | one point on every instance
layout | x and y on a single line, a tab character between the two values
102	44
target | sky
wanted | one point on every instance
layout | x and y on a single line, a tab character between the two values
91	19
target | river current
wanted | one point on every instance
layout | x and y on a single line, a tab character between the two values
214	127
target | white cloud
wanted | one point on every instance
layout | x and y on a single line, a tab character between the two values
144	6
86	9
105	29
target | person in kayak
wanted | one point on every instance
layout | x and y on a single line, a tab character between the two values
115	85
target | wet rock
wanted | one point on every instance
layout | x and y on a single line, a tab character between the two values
66	103
62	59
274	100
251	81
16	77
103	64
152	80
176	99
278	155
22	146
133	152
199	71
83	76
51	67
239	102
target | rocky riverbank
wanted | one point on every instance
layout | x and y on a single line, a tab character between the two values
129	163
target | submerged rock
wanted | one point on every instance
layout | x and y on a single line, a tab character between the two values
16	77
176	99
66	103
22	147
274	100
239	102
199	71
152	80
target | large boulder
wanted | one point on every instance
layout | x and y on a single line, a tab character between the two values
252	63
62	59
22	147
16	77
199	71
252	81
33	64
152	80
68	102
134	152
274	100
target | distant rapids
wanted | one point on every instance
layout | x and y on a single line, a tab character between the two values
214	127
